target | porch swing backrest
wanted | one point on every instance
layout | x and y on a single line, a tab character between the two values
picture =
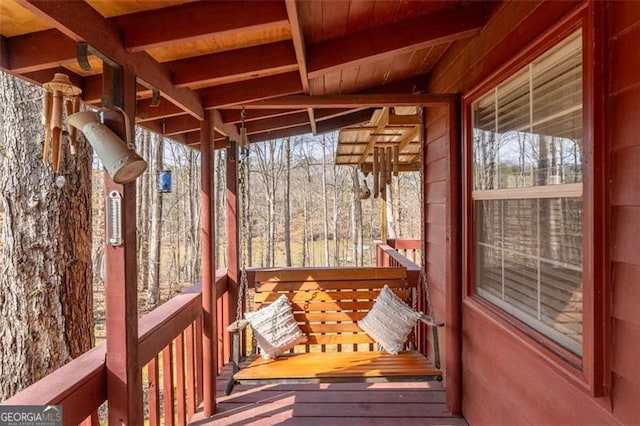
328	303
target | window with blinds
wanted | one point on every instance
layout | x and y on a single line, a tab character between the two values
527	194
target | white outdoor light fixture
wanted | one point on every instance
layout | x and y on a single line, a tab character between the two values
117	156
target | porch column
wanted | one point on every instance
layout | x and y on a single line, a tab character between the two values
124	380
233	250
209	356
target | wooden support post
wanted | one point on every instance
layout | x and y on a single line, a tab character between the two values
124	379
233	249
453	294
209	355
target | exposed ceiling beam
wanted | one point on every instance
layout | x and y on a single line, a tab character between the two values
43	76
353	101
283	133
251	91
176	125
326	114
80	22
277	123
27	52
234	65
226	129
145	112
297	37
234	116
198	20
336	123
298	42
394	39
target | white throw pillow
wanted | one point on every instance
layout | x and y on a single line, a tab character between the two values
275	328
390	321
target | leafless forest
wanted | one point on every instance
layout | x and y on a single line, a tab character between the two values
301	210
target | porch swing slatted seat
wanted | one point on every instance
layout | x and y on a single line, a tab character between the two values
327	303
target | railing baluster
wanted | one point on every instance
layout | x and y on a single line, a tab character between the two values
167	376
180	382
220	332
199	371
154	391
91	420
191	377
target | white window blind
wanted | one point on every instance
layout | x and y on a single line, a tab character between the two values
527	194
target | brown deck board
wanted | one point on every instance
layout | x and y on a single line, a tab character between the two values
324	366
335	404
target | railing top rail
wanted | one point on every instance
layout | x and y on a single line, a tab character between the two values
404	243
399	258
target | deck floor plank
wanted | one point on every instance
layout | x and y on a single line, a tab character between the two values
335	404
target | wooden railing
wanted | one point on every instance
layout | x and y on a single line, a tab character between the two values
411	249
170	349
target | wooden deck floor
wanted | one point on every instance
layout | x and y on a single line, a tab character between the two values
335	404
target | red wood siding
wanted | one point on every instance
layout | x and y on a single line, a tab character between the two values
624	83
506	378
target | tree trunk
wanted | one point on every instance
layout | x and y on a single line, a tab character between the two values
144	188
287	203
46	299
325	204
155	238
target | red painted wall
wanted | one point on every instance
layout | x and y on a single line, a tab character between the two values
504	377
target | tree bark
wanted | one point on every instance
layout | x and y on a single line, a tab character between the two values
155	239
46	299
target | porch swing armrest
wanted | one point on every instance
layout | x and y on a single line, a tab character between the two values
238	325
431	321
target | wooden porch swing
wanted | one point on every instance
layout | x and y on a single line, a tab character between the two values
327	304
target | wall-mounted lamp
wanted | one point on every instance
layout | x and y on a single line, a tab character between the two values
117	156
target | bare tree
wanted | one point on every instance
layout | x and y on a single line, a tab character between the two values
270	167
287	202
155	239
325	203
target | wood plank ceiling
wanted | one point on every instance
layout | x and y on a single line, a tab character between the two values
227	55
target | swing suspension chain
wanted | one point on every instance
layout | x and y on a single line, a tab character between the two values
423	276
244	284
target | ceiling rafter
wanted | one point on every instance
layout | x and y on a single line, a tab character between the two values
277	123
353	101
390	40
198	20
72	17
146	112
335	123
298	43
234	65
25	52
251	91
234	116
282	133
